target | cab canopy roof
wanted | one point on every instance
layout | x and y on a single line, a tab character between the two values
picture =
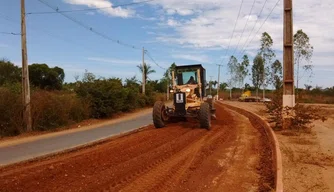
194	66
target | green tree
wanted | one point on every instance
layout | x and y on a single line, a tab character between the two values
168	72
303	52
9	73
267	54
42	76
243	70
308	87
233	69
257	72
223	86
88	76
276	74
146	70
131	82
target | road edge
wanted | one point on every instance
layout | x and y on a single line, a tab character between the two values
27	139
277	156
78	147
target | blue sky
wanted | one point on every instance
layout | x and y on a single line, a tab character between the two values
184	32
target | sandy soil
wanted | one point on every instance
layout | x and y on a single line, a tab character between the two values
233	156
308	158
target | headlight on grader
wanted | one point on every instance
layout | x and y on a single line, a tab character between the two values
188	90
171	91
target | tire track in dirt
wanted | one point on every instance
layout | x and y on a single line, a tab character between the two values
179	157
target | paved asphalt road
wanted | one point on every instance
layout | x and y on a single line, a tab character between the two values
36	148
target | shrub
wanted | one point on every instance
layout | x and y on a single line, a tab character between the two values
107	96
301	116
11	113
54	109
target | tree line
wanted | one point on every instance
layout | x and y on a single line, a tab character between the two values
55	103
267	70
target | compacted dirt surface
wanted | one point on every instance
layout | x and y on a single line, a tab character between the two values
232	156
307	156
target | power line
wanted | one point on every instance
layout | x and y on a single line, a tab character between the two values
261	26
48	33
243	47
8	18
250	13
10	33
89	9
235	24
90	28
149	56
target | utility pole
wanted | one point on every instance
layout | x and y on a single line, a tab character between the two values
288	58
264	83
143	78
167	84
25	72
218	87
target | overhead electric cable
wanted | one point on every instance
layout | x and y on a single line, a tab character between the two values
149	56
235	24
90	28
9	33
89	9
250	13
260	27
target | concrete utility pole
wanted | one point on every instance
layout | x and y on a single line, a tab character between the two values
25	72
143	78
218	87
288	57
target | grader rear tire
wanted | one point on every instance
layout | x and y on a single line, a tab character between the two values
158	110
205	116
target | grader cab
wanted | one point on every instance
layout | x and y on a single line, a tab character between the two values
189	98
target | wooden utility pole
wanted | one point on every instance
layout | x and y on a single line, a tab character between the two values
264	82
25	72
288	57
218	87
143	78
167	85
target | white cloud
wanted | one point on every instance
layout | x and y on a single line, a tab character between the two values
213	27
192	57
172	23
115	12
185	12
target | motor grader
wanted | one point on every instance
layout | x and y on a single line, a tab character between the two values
189	98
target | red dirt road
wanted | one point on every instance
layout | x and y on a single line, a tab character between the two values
233	156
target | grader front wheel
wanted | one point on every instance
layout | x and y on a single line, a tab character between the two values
158	114
205	116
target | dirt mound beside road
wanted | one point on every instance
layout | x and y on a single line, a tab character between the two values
180	157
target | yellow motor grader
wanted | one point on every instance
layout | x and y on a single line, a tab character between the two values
189	98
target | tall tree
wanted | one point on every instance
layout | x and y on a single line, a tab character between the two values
257	72
276	74
267	54
243	70
9	73
233	69
148	70
303	53
44	77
